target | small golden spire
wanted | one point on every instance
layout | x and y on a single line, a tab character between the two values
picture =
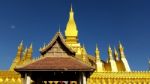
120	45
123	57
21	44
84	50
112	61
121	50
31	46
97	53
30	50
20	47
116	54
24	54
99	63
29	53
97	47
110	52
109	49
83	53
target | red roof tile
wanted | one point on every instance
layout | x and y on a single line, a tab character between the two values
56	64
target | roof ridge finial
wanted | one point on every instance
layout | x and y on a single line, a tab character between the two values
59	28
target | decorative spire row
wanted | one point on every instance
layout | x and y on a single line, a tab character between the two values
22	56
113	59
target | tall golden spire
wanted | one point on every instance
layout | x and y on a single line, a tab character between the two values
71	31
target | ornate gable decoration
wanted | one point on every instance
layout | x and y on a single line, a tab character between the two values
57	47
